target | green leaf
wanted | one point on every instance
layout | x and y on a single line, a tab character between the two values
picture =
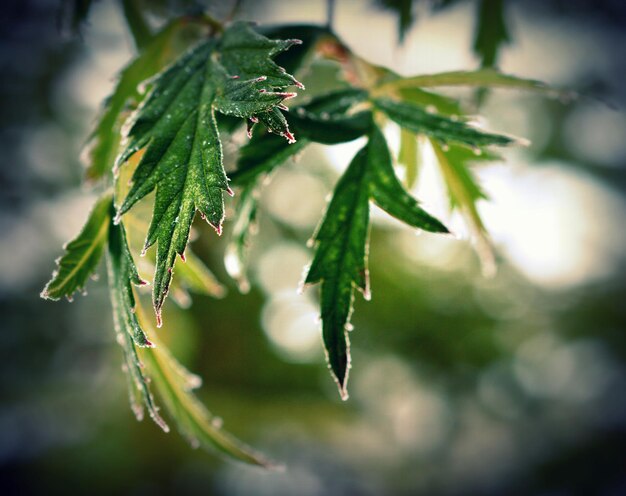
324	119
443	104
122	275
329	129
415	118
340	263
464	193
491	31
340	258
83	254
176	124
175	384
147	362
387	192
261	155
103	145
137	24
487	78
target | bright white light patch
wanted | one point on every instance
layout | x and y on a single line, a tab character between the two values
558	226
291	322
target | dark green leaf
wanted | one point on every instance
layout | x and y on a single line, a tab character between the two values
330	127
122	275
261	155
323	120
415	118
491	31
83	254
176	123
137	24
335	102
387	192
340	262
340	258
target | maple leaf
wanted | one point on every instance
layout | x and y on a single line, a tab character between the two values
340	261
417	119
176	123
83	254
122	274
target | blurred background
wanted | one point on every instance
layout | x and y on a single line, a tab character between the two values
460	385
